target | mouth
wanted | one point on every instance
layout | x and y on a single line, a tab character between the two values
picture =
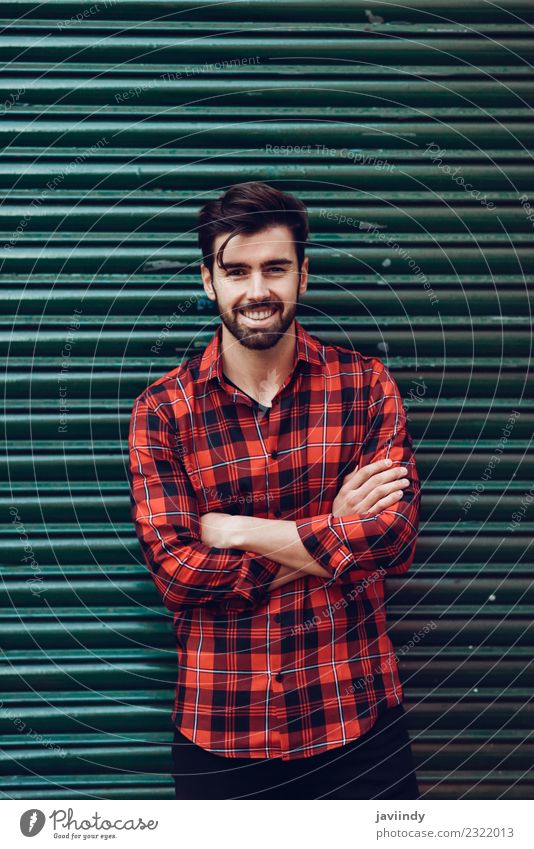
255	316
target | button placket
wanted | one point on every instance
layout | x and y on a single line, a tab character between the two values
272	457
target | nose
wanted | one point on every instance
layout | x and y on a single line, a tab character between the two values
258	289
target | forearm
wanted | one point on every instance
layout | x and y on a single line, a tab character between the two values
285	576
279	540
358	544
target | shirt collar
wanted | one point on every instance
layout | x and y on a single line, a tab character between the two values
307	349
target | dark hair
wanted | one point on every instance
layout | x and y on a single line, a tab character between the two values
249	208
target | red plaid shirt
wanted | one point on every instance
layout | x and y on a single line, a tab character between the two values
309	666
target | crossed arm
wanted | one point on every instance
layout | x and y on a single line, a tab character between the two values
233	561
275	538
368	490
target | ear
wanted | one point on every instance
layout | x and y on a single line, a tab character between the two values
206	280
303	284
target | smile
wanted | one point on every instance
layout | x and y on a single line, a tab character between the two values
258	315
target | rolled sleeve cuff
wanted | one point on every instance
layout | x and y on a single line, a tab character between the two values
320	538
252	586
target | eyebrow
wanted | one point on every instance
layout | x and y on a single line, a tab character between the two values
263	264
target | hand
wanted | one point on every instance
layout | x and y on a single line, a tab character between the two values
370	489
286	574
216	529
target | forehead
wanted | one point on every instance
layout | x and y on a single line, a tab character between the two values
272	242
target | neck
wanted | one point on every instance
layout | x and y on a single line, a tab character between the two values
258	371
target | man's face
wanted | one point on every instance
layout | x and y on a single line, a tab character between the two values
261	278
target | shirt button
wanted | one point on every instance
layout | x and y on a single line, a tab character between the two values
274	454
277	513
277	618
279	677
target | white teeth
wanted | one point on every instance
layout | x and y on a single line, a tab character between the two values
258	314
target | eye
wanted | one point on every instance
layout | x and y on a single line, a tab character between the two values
235	272
277	269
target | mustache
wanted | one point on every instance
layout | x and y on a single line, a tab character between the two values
264	304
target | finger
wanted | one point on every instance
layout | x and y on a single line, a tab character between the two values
388	501
362	474
381	492
365	473
381	480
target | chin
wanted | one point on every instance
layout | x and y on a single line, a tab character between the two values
260	339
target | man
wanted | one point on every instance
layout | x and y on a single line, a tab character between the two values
273	489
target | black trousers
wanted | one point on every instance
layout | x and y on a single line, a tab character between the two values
378	765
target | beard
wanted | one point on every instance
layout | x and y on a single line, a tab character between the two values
261	338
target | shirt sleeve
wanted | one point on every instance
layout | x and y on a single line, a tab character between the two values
355	545
165	513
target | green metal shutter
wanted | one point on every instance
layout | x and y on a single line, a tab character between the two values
118	120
